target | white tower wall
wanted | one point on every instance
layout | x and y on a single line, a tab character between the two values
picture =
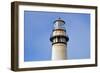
59	51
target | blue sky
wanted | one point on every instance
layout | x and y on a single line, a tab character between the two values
38	28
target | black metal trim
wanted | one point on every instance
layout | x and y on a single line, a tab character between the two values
59	29
58	36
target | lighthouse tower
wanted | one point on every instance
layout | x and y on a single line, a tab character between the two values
59	40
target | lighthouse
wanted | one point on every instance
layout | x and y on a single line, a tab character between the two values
59	39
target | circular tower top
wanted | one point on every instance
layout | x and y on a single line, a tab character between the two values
59	32
59	24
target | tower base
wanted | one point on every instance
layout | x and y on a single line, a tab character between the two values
59	51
